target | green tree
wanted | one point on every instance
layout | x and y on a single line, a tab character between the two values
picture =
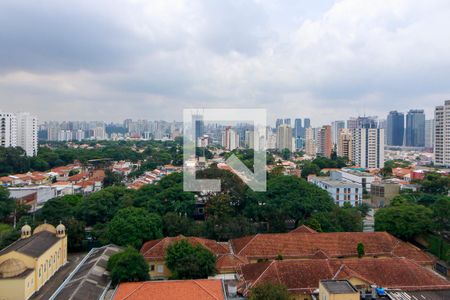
309	168
7	204
287	198
360	249
112	178
61	208
441	214
186	261
435	183
131	226
75	234
404	221
285	154
269	291
128	266
8	235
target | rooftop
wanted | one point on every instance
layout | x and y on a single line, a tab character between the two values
339	286
204	289
303	276
90	279
326	245
33	246
336	183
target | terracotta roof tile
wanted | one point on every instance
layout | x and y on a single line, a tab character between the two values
331	245
206	289
156	249
303	276
303	229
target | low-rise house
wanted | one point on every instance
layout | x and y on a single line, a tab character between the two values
43	193
326	245
154	252
199	289
340	190
302	277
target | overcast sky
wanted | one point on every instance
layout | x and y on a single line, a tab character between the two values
147	59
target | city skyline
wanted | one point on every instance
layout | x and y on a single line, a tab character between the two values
145	60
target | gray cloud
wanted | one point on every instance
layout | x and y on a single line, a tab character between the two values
116	59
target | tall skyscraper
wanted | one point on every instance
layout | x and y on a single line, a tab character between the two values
284	137
298	133
395	128
199	128
278	123
368	147
307	123
336	128
287	121
429	133
325	141
441	135
415	128
344	147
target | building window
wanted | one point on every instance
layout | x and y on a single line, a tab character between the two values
160	268
152	268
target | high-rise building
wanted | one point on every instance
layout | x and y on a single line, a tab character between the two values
325	144
429	133
287	121
19	130
307	123
230	139
278	123
284	137
415	128
368	147
344	147
442	135
336	128
27	129
395	128
362	122
310	141
298	133
199	128
8	130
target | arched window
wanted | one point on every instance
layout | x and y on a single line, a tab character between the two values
40	271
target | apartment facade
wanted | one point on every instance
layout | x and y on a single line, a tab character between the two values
340	190
368	147
19	130
442	134
344	147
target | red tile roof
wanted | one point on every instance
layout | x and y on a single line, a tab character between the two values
303	229
303	276
330	245
206	289
156	249
229	263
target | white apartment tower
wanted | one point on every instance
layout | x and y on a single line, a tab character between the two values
19	130
442	134
8	130
368	147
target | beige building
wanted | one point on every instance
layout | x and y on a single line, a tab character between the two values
382	193
27	264
344	146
